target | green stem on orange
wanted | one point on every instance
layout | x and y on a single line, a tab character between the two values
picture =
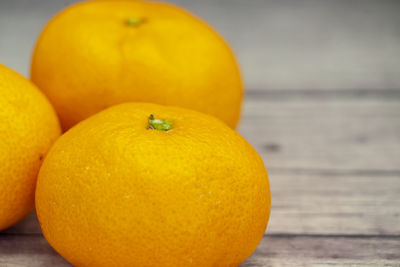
159	125
134	21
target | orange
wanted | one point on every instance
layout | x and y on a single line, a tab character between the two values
97	54
183	190
28	127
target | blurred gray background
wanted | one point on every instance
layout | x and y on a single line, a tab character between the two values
286	44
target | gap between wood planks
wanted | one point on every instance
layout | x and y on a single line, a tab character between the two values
335	172
272	235
288	94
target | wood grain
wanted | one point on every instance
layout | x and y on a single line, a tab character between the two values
335	204
28	250
325	251
335	131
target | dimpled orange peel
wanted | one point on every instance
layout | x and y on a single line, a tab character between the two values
28	127
148	185
96	54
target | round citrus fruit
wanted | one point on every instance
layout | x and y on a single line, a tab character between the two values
148	185
28	128
96	54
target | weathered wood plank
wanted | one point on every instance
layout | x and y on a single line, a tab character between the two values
28	250
33	251
325	251
334	204
324	133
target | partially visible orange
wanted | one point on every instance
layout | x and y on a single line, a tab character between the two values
28	128
96	54
115	192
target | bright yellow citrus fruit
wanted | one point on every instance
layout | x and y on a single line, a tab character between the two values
96	54
28	127
183	190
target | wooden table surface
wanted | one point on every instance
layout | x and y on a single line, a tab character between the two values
333	157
